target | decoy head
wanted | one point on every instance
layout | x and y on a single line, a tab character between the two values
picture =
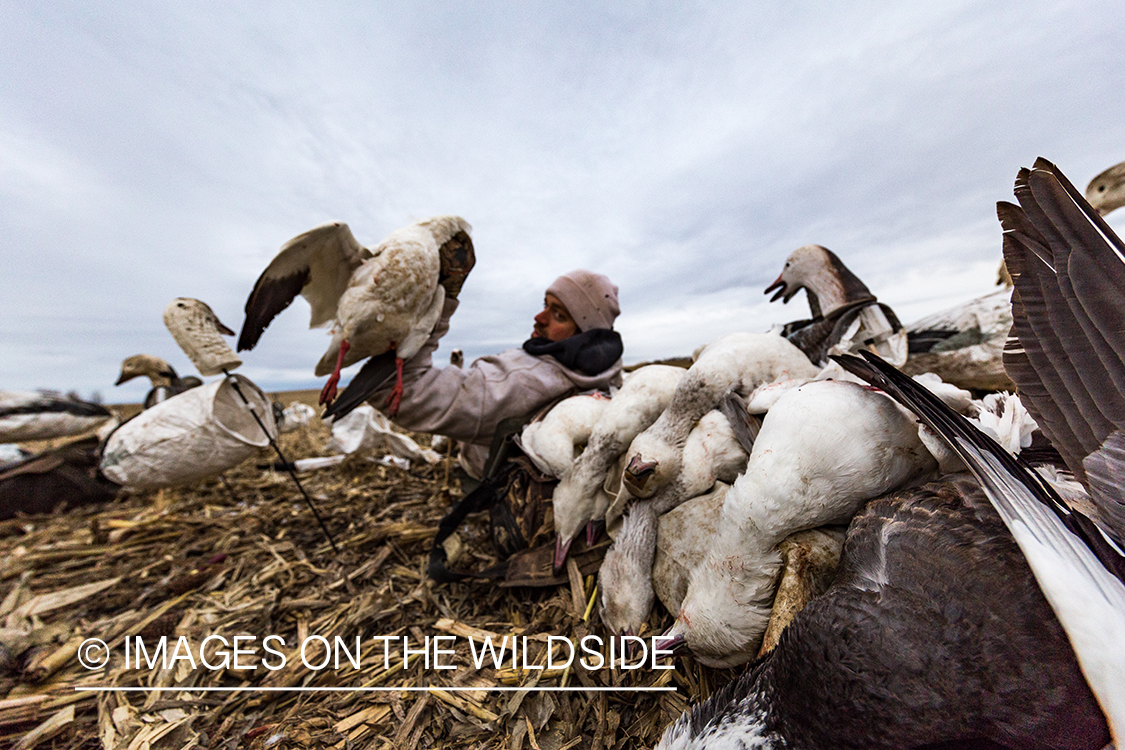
154	368
826	280
1106	192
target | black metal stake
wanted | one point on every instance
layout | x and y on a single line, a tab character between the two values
284	460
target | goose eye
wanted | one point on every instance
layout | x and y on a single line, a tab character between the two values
1101	188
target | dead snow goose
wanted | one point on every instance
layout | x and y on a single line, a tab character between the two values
1069	363
165	382
740	362
846	316
378	301
933	634
823	450
555	441
712	454
642	398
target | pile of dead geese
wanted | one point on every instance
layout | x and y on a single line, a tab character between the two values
899	554
899	559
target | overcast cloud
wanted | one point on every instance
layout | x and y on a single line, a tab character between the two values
156	150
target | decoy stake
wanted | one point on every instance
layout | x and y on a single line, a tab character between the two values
288	464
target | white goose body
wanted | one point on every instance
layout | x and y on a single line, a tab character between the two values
642	398
823	450
936	631
377	301
553	442
712	454
740	362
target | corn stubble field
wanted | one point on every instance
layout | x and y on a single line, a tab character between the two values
241	555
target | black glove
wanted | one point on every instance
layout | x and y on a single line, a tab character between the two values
457	259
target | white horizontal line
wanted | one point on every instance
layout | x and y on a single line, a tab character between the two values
496	689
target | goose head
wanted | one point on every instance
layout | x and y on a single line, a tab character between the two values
625	578
1106	192
154	368
723	616
651	464
826	280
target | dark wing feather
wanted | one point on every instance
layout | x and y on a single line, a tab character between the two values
744	425
1069	319
317	264
375	373
269	297
1007	480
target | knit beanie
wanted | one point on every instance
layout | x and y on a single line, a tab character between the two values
590	298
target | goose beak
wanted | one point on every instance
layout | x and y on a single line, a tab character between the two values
670	642
637	474
592	531
561	550
781	287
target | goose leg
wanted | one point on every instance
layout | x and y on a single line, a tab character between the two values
395	398
329	393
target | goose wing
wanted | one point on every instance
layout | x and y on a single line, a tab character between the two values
1068	309
1079	569
316	265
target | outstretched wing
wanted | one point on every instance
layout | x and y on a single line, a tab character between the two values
1068	310
317	265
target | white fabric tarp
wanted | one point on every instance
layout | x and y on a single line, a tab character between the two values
193	435
365	430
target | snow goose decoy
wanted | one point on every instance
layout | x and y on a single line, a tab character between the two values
384	301
642	398
1068	359
846	316
823	450
1106	192
165	382
44	415
740	362
964	345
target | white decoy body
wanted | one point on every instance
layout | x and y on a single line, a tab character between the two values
712	454
378	301
45	415
823	450
739	362
846	316
642	398
555	441
964	345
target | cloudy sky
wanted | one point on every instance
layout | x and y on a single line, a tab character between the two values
156	150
